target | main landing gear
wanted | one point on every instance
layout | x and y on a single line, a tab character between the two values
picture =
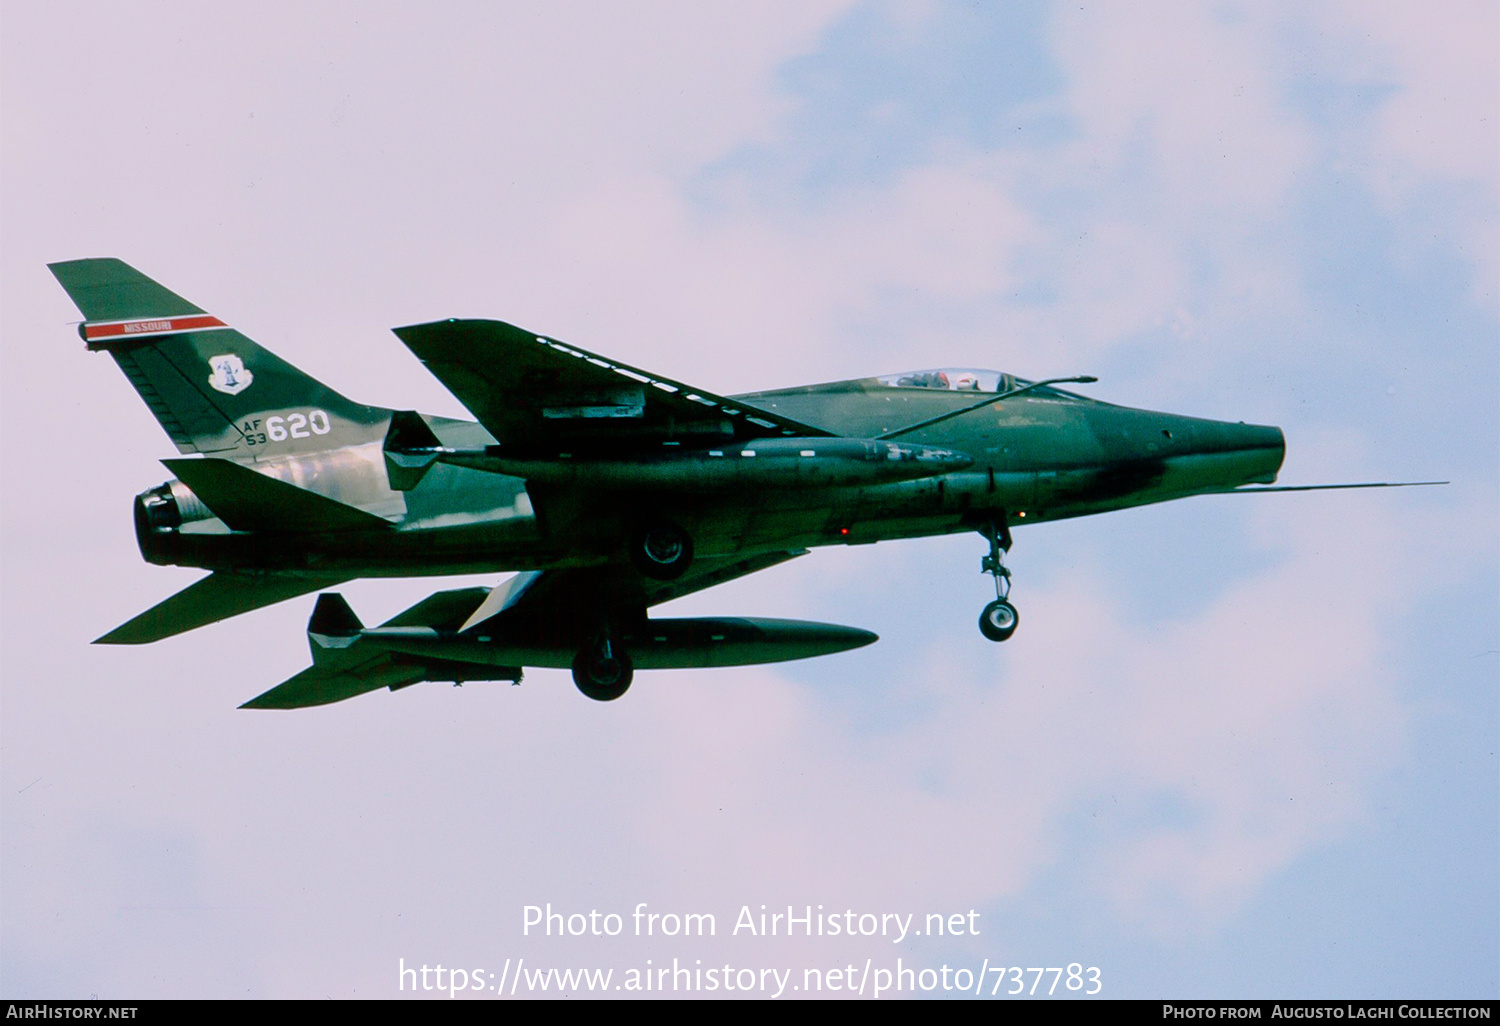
999	619
661	550
602	670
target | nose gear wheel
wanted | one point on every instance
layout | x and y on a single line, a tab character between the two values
998	620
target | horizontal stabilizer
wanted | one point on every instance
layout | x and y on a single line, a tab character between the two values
250	501
216	597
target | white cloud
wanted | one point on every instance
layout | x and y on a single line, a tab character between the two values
1433	153
1182	94
1441	120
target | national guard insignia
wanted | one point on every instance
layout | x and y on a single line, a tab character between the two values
230	375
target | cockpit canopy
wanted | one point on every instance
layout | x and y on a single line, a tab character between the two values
951	379
940	379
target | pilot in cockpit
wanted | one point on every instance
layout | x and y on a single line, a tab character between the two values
925	379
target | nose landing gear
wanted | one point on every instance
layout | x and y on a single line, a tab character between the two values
999	619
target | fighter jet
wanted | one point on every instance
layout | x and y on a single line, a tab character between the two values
611	490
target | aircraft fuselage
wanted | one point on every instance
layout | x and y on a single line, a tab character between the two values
1033	458
609	489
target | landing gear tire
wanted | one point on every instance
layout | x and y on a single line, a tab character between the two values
999	620
662	551
602	672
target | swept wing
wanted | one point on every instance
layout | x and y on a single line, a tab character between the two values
536	393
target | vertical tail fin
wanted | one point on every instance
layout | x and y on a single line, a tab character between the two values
212	389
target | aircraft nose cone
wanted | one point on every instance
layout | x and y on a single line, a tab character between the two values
1211	436
1253	451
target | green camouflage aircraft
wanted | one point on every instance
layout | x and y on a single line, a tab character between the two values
610	488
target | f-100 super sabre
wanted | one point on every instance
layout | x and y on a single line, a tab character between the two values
610	489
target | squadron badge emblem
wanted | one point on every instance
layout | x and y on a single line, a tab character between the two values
230	375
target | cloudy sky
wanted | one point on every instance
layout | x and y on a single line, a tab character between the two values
1240	746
